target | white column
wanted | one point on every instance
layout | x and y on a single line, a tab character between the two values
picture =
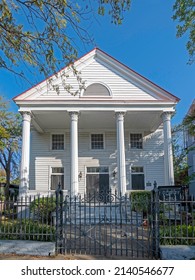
25	156
121	167
168	155
74	153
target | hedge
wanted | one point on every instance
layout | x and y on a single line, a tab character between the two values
26	230
177	235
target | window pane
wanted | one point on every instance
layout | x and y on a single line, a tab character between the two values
58	142
57	169
137	169
57	177
91	170
56	180
97	170
103	169
97	141
136	141
137	181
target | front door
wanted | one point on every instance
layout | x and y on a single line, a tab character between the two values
97	181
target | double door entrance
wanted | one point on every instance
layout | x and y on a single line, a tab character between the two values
97	182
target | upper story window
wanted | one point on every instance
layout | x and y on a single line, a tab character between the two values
57	142
96	89
136	141
97	141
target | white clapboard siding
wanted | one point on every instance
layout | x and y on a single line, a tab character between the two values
151	157
42	158
120	87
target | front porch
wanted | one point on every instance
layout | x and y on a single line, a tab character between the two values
90	149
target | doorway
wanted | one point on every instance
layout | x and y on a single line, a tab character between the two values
97	181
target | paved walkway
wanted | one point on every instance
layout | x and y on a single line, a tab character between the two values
22	247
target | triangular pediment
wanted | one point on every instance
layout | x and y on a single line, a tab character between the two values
97	68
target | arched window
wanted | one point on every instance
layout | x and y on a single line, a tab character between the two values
96	89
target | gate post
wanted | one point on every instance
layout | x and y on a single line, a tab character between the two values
155	222
59	220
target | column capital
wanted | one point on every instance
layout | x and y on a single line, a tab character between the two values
74	115
120	115
166	116
26	115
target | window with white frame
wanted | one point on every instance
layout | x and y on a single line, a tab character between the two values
57	177
136	141
57	142
97	141
137	178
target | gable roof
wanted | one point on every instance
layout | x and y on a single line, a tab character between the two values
104	58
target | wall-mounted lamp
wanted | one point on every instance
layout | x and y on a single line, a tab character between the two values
80	175
114	174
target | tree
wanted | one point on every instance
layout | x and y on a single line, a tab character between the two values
2	176
180	152
43	34
189	122
3	133
179	156
184	13
10	142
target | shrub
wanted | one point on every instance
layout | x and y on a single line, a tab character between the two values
140	201
2	197
26	230
177	235
41	209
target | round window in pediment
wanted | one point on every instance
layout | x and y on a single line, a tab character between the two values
96	89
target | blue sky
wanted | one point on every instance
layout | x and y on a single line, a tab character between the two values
145	42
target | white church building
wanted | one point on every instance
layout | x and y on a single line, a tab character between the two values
115	133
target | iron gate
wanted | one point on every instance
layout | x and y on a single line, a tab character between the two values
103	223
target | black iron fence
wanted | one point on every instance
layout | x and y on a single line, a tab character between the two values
27	218
101	223
176	216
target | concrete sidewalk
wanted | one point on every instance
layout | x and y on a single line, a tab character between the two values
177	252
22	247
38	248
